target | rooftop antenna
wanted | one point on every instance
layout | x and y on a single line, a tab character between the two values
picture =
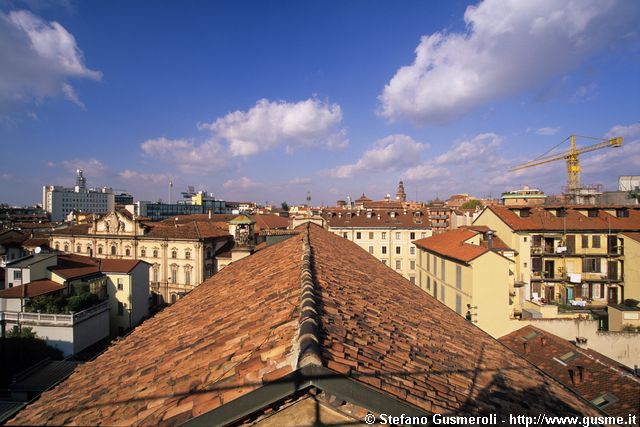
309	198
170	191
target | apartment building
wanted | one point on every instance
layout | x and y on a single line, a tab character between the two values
60	201
471	272
180	253
386	233
570	254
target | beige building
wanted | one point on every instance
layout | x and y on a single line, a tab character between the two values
180	253
471	272
630	253
571	255
388	234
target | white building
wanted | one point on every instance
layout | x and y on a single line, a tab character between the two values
60	201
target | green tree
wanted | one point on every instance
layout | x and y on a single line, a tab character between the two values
24	333
285	206
472	204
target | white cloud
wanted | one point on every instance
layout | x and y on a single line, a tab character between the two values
91	167
391	153
243	183
299	181
37	59
188	156
137	177
509	46
548	131
269	124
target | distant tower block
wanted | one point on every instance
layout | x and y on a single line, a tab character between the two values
400	194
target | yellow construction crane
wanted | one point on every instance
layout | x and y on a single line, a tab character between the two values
572	158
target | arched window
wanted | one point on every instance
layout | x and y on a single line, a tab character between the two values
155	253
57	246
187	274
78	249
187	254
127	252
156	269
89	250
66	248
174	273
99	250
143	252
174	253
113	250
174	298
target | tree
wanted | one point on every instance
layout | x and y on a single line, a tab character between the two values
285	206
472	204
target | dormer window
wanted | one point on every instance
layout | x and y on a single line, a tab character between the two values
561	212
593	213
393	214
622	213
524	213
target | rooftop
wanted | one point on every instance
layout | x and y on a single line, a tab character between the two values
33	289
596	378
453	244
312	301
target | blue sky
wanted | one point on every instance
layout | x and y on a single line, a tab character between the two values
265	101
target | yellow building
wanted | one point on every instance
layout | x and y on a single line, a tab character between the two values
568	254
388	234
180	253
471	272
630	254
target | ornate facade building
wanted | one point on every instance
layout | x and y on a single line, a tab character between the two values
181	254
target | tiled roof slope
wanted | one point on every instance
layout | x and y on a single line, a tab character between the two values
593	374
236	329
382	330
542	219
263	316
33	289
340	218
452	245
634	236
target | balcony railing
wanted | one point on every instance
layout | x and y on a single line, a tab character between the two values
53	319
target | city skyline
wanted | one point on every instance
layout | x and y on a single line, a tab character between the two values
260	102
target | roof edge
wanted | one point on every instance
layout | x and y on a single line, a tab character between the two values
309	322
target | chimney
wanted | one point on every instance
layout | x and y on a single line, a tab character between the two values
584	374
527	349
489	239
581	342
575	379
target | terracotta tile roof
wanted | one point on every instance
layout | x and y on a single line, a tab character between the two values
71	266
347	218
118	265
599	374
540	218
74	230
269	222
35	288
36	241
248	325
452	245
634	236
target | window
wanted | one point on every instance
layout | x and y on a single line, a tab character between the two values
187	276
585	241
174	254
397	235
412	235
384	250
187	254
428	283
66	248
78	248
120	309
155	253
458	277
155	273
398	264
412	250
384	235
595	242
174	298
371	235
435	266
593	213
442	268
442	292
358	235
370	249
397	250
57	246
99	250
525	240
113	250
120	284
344	235
127	252
412	279
458	303
143	252
622	213
17	274
428	262
604	400
174	273
591	265
412	265
423	235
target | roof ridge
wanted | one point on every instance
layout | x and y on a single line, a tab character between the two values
309	322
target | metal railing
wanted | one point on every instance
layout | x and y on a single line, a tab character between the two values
54	319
